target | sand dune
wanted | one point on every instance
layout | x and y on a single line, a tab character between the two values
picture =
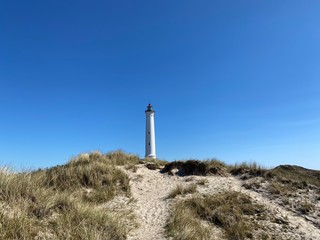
150	189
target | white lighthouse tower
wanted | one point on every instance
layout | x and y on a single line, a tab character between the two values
150	134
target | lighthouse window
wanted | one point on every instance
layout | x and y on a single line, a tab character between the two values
149	144
148	132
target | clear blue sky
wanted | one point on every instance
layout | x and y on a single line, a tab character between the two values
235	80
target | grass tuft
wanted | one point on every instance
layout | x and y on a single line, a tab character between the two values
180	190
251	168
229	211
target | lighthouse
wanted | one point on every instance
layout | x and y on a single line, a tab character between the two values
150	134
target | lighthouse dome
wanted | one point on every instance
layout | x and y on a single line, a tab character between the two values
149	108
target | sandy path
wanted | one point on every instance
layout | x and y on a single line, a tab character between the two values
150	188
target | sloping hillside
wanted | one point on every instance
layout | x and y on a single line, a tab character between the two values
195	201
68	201
118	196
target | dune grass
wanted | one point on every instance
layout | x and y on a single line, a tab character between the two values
296	176
64	202
67	201
251	168
215	163
156	163
214	167
180	190
229	211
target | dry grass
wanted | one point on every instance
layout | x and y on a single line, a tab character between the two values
293	187
306	207
278	189
202	182
214	167
156	163
131	167
119	158
252	169
180	190
64	202
296	176
184	224
215	163
229	211
195	167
